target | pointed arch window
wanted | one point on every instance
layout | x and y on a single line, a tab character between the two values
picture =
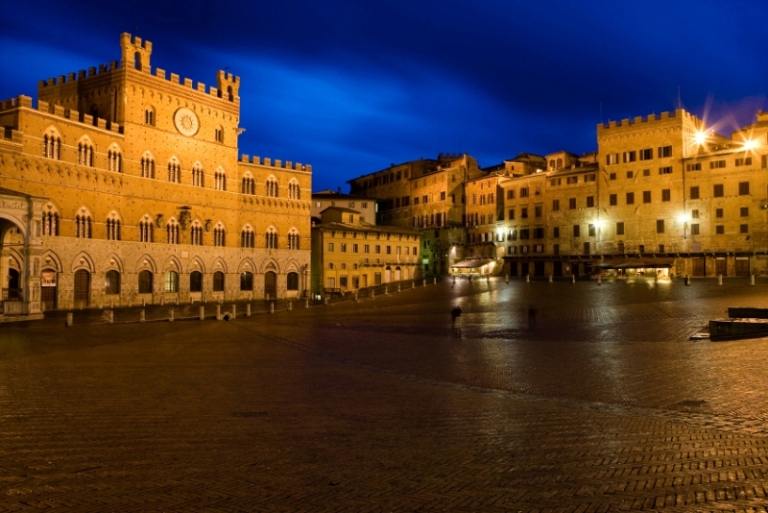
113	227
294	190
219	235
147	165
198	177
271	238
85	153
146	230
220	180
272	187
249	184
196	234
294	239
172	232
149	116
83	226
247	237
50	221
174	171
52	146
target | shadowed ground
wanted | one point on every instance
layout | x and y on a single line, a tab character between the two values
374	406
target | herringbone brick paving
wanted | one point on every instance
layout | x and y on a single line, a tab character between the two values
373	406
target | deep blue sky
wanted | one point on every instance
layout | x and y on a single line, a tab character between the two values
351	86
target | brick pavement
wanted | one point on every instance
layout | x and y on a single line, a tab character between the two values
373	406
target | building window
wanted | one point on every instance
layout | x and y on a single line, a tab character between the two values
294	240
218	281
112	283
172	232
695	229
646	196
292	281
511	194
591	229
646	172
145	282
620	228
523	192
744	211
195	281
621	247
629	156
83	227
743	188
719	213
666	195
219	236
571	203
717	164
249	185
744	161
590	201
612	158
556	232
171	281
52	147
523	213
665	151
660	226
696	166
113	229
630	174
630	198
272	187
271	239
85	154
572	179
661	248
218	135
537	212
220	180
646	154
115	160
149	117
196	234
695	192
695	213
294	190
247	238
511	213
246	280
576	230
666	170
146	231
198	177
147	166
174	171
743	228
612	176
612	200
50	223
719	229
556	205
343	247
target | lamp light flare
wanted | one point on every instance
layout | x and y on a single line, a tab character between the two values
751	144
700	137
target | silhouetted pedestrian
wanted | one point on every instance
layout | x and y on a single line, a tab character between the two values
456	320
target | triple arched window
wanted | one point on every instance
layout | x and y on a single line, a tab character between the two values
198	177
113	227
52	146
147	165
293	239
115	159
172	232
50	221
196	234
220	180
85	153
219	235
247	237
271	238
272	187
174	170
146	230
294	190
249	184
83	226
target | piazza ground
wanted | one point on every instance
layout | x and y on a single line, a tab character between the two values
374	406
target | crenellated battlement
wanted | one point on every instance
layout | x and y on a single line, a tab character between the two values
73	77
278	164
650	119
61	112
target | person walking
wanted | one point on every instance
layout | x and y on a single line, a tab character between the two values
456	320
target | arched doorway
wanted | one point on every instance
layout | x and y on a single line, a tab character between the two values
397	273
12	290
48	284
82	288
270	285
387	274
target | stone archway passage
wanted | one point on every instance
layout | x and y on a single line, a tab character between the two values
270	285
82	288
49	286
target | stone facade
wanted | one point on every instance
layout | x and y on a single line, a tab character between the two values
140	196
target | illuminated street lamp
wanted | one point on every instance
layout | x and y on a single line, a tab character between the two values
683	218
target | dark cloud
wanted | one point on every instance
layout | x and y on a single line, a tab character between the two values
351	87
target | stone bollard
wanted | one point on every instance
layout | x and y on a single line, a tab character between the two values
170	315
507	278
599	279
398	287
70	320
248	310
272	307
373	294
110	316
325	300
357	297
550	278
719	279
424	282
290	305
234	311
306	303
687	280
434	281
162	300
573	278
218	312
528	278
143	302
142	315
751	279
202	313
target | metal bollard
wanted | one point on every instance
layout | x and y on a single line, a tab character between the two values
248	310
719	279
202	313
142	315
70	320
170	318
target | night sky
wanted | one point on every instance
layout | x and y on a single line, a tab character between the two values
351	86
